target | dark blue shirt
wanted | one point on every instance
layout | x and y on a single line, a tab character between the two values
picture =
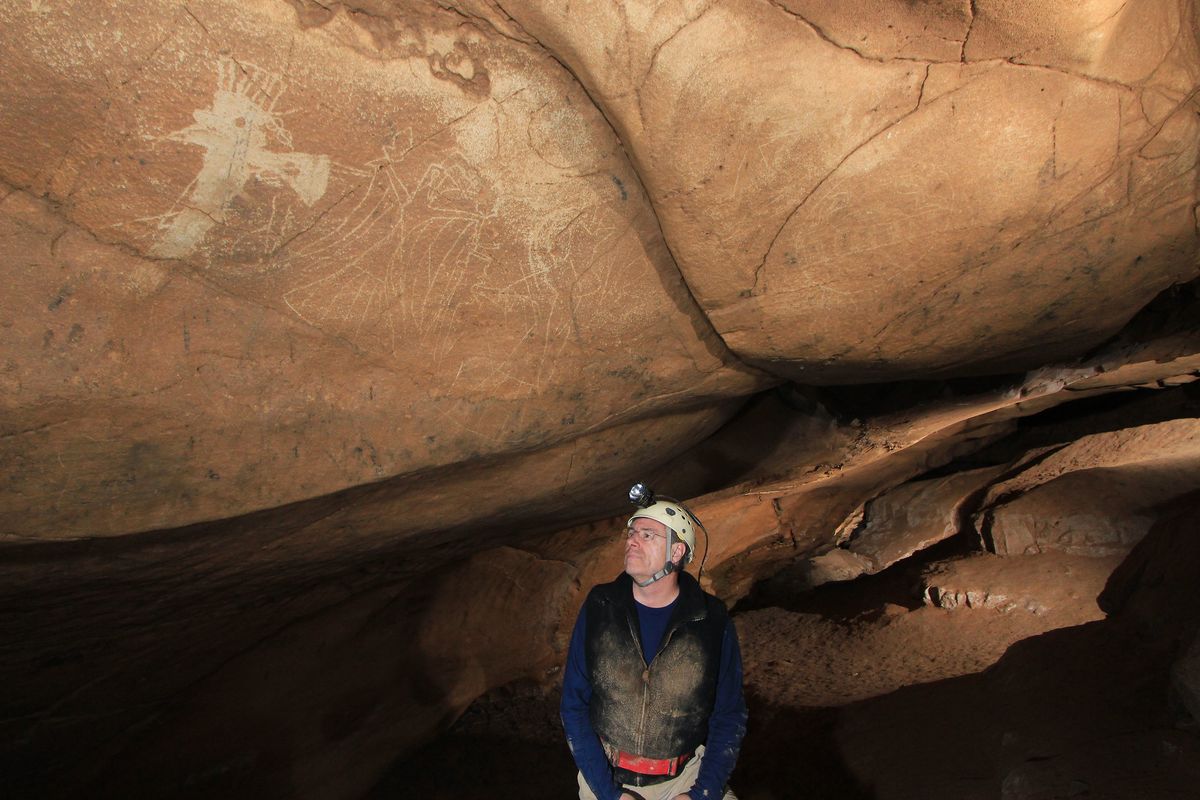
726	726
652	624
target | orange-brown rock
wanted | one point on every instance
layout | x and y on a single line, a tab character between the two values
254	262
858	195
1098	495
332	334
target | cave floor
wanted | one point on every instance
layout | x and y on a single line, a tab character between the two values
860	690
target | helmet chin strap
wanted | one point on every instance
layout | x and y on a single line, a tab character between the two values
667	569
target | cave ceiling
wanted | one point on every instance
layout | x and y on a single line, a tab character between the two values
351	323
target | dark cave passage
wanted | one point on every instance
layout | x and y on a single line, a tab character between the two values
1029	705
333	335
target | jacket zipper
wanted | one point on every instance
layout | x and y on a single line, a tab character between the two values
641	728
637	640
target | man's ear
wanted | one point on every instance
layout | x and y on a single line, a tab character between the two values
678	551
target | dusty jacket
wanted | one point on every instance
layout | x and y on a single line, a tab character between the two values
658	709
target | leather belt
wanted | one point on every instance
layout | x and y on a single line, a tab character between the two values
650	766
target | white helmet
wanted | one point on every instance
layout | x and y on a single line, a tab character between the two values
675	517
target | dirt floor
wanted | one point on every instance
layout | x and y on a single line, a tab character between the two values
1021	691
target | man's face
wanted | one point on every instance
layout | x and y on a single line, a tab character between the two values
645	547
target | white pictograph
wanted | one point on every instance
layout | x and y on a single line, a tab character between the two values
391	268
425	248
237	134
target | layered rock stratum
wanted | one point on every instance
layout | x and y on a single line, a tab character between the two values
334	333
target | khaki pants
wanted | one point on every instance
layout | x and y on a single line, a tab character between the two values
667	790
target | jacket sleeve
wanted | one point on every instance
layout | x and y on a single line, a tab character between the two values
581	738
726	726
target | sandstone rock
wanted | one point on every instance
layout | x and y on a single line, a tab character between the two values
914	516
836	565
1153	585
1048	583
361	680
939	156
255	262
323	322
1072	705
1185	681
1096	496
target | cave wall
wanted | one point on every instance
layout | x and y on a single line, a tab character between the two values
333	335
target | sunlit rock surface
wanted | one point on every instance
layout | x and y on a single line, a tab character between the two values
333	334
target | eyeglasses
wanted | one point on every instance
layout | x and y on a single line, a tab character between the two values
645	535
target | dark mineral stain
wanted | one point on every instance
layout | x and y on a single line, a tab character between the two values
63	294
620	187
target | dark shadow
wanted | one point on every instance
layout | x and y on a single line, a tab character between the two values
860	600
1070	421
462	767
872	400
509	743
791	753
1083	711
1076	712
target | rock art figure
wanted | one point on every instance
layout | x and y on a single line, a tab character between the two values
394	265
234	135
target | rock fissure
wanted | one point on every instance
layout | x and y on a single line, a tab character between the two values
972	16
1016	62
506	317
528	40
658	48
828	39
29	431
216	42
821	182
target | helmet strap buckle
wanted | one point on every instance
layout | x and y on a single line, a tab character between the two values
667	569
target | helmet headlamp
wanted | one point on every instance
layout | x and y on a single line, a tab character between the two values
641	495
675	516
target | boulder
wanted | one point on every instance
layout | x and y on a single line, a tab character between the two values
255	260
940	158
1095	496
916	515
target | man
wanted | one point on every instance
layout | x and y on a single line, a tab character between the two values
652	692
